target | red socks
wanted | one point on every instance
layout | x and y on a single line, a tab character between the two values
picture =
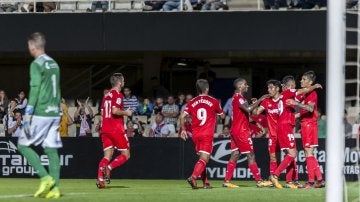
295	171
118	161
310	168
104	162
204	177
273	166
230	170
284	164
313	169
318	173
289	172
198	169
255	171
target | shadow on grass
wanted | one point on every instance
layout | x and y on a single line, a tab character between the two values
117	187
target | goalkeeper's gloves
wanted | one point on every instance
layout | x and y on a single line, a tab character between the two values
29	111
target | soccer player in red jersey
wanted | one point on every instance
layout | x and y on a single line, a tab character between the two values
113	134
240	134
286	123
270	107
309	129
202	110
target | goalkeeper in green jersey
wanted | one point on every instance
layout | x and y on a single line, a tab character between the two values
42	117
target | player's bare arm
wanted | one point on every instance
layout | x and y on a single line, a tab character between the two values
309	107
183	134
249	108
119	112
309	89
91	113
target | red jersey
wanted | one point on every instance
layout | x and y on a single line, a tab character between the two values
203	110
112	123
240	119
272	114
287	112
306	116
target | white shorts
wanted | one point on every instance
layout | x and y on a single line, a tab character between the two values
44	131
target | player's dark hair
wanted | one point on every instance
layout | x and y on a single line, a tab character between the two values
237	81
287	79
274	82
38	40
115	78
310	75
202	85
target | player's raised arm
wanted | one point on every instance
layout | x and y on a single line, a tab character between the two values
309	89
183	134
249	108
308	107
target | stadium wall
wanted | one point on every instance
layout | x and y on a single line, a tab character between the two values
161	158
169	31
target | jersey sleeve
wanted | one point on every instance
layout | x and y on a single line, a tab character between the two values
35	82
188	108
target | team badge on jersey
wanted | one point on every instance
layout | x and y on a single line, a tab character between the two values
118	101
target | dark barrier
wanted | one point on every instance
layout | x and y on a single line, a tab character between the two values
169	31
159	159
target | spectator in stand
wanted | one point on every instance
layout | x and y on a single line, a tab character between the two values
214	5
65	120
181	100
130	101
321	124
187	99
8	7
82	119
14	124
4	103
158	89
225	133
159	127
228	107
145	107
258	125
170	111
96	5
158	105
347	127
40	7
9	115
351	3
153	5
21	102
134	128
171	5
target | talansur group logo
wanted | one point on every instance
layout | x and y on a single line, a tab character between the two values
221	152
8	146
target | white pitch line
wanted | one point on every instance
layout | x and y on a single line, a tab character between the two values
30	195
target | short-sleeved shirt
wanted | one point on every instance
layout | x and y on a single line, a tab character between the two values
240	123
12	123
287	112
170	109
272	114
306	116
203	110
112	123
260	119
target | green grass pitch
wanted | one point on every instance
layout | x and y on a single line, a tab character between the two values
79	190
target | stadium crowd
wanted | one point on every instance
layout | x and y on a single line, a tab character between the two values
170	5
151	117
